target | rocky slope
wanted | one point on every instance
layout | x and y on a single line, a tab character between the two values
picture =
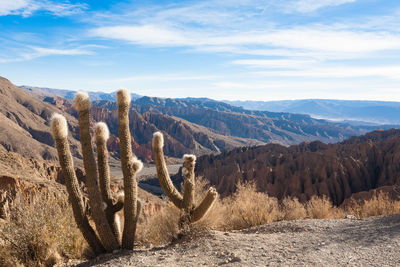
374	241
24	123
25	115
336	170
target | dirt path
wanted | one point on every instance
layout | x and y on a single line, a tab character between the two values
374	241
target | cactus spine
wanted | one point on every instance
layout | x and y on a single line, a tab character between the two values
102	203
185	202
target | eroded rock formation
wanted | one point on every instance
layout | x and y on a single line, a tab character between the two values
336	170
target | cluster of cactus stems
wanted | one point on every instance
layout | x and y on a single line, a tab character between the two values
186	203
103	205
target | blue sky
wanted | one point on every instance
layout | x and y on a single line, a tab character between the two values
237	49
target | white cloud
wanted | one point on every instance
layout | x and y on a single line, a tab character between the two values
323	41
144	34
165	78
37	52
305	6
28	7
391	72
9	6
273	63
42	51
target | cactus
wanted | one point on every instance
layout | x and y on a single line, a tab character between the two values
185	202
103	205
59	130
130	165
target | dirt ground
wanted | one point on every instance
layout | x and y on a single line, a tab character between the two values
374	241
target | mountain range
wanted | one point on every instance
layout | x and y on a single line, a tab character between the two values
190	125
351	111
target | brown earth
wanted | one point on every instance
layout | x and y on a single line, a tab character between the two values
373	241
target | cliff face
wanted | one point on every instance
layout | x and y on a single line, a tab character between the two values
336	170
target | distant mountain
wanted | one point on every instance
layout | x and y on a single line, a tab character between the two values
68	94
279	127
336	170
376	112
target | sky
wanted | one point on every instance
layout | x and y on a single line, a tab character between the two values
232	49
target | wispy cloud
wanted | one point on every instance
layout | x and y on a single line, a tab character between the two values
322	41
27	7
164	78
273	63
305	6
392	72
32	52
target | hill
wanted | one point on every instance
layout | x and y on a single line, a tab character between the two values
24	123
311	168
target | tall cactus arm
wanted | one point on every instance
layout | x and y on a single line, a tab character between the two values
130	166
82	104
162	171
102	134
188	186
205	205
59	132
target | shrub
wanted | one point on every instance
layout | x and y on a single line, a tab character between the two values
292	209
247	208
160	228
379	204
39	232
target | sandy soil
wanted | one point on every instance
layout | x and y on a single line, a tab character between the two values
374	241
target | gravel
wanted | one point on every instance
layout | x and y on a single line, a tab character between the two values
373	241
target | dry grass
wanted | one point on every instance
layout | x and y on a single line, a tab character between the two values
322	208
40	232
292	209
160	228
247	208
379	204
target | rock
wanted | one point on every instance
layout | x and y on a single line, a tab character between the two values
340	170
